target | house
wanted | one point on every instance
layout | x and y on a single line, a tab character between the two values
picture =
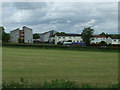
25	34
60	38
113	40
98	38
45	37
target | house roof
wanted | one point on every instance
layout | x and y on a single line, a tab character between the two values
115	37
99	36
68	34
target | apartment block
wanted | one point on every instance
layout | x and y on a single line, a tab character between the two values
25	34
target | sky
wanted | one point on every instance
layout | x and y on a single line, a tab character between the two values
69	17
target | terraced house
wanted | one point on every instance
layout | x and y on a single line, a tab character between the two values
66	37
98	38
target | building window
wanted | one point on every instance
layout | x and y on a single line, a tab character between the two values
63	37
119	39
69	37
59	37
114	40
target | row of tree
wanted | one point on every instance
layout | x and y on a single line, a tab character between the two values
5	36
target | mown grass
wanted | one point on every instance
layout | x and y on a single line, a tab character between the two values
96	68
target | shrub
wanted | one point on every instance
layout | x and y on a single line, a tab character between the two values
69	41
52	84
19	40
47	46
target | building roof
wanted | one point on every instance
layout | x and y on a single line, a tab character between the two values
115	37
68	34
26	27
99	36
48	32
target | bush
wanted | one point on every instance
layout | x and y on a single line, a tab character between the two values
103	43
69	41
52	84
19	40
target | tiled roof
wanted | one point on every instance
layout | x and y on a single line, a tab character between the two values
99	36
68	34
115	37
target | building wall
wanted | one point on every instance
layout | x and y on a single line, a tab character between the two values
66	38
52	39
45	37
28	35
97	40
115	41
14	35
109	40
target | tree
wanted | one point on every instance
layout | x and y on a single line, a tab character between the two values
19	40
5	36
60	33
103	33
36	36
87	35
106	34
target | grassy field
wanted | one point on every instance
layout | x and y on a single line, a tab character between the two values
97	68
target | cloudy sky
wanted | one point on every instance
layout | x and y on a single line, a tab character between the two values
70	17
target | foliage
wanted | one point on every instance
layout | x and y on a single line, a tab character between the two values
94	48
5	36
115	85
36	36
87	34
102	43
60	43
109	35
69	41
102	33
61	33
52	84
19	40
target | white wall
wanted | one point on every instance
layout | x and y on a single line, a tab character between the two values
14	35
109	40
98	39
115	41
66	38
28	35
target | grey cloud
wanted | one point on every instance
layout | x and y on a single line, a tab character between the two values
29	5
44	16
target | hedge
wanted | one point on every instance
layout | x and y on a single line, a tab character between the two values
61	46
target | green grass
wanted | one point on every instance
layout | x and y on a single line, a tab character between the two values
96	68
